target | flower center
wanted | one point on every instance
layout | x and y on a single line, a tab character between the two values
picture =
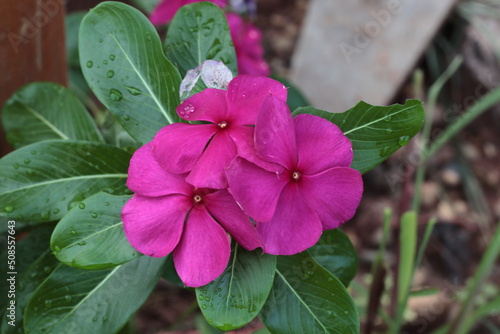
222	124
197	199
296	175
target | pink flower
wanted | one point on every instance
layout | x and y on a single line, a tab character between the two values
206	150
247	40
168	215
316	190
166	9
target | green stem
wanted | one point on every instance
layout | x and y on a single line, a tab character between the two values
431	109
485	266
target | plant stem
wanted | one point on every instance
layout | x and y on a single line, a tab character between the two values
484	269
431	109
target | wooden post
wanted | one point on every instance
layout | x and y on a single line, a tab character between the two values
32	47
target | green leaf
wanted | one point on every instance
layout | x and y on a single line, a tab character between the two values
335	252
42	181
72	24
44	110
306	298
146	5
237	296
123	62
375	132
27	250
295	97
26	283
91	235
73	300
197	33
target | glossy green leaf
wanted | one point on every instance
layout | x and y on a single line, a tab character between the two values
335	252
44	110
91	235
42	181
306	298
199	32
375	132
73	300
27	282
237	296
123	62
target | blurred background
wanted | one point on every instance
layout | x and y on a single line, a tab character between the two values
446	53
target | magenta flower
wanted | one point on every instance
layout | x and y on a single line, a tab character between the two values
166	9
316	190
206	150
168	215
247	40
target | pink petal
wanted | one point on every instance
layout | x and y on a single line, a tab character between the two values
209	171
252	65
294	227
147	178
245	95
165	11
222	206
275	133
203	252
243	137
178	146
320	145
334	194
255	189
154	226
208	105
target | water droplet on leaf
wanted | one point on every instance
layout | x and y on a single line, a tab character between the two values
81	205
90	64
115	94
9	208
402	141
110	74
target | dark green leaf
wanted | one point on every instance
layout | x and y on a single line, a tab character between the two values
42	181
26	283
170	274
91	235
72	23
237	296
295	97
306	298
123	62
146	5
335	252
44	110
197	33
73	300
375	132
26	250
